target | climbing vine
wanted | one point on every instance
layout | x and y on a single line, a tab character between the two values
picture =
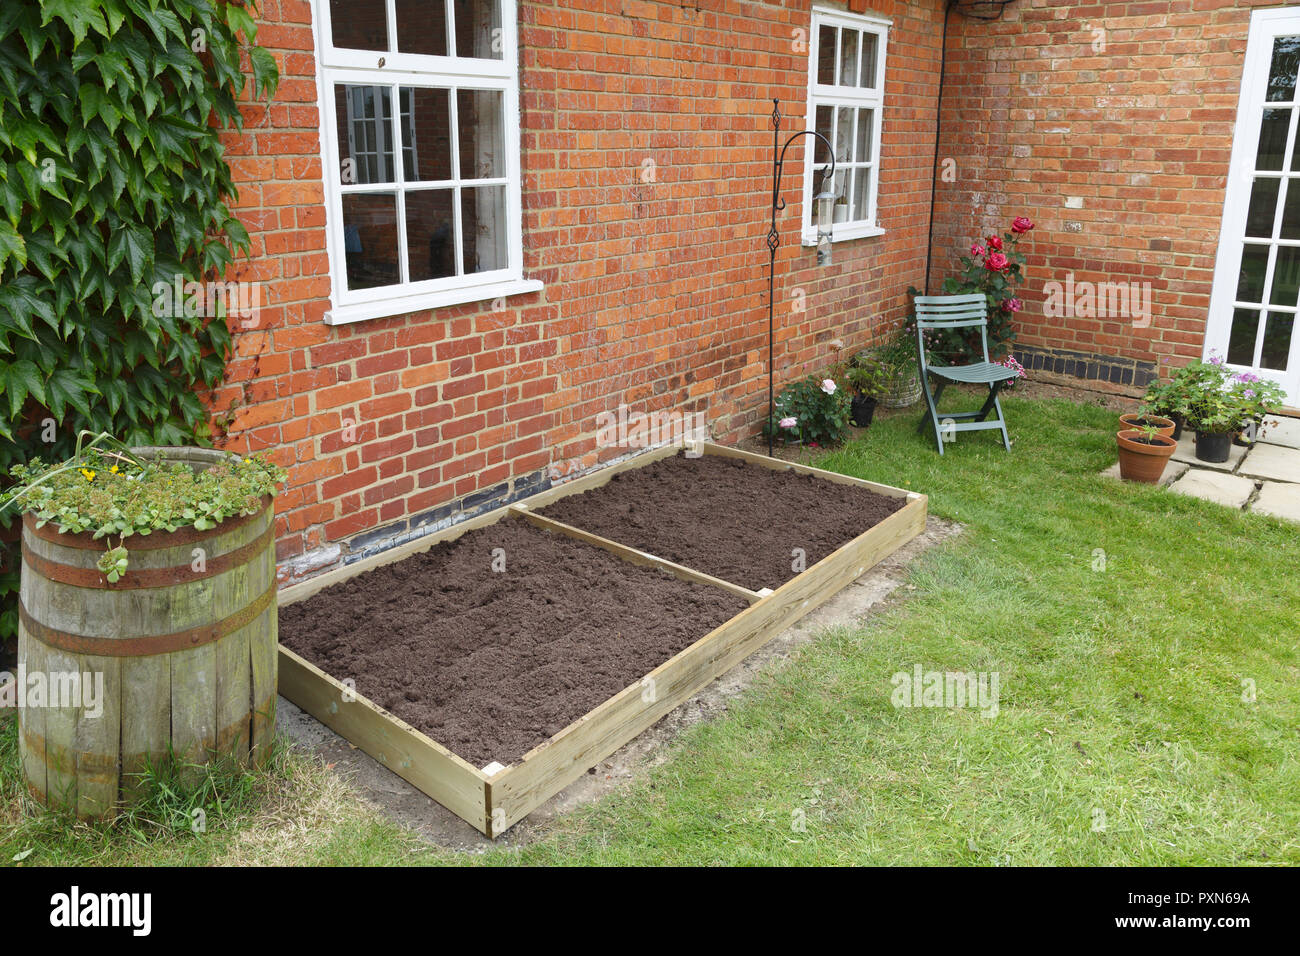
114	196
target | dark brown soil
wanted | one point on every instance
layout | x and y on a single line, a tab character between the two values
490	664
725	517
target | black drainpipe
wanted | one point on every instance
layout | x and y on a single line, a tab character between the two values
938	120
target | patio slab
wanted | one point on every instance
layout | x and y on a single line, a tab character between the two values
1223	489
1273	462
1279	499
1281	431
1173	471
1187	452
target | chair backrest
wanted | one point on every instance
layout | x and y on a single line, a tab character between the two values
951	312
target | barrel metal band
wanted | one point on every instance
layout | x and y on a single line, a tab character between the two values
146	577
155	541
145	646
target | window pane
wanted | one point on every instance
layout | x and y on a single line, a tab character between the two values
1281	75
1263	204
483	220
843	133
870	47
825	122
866	128
370	239
1250	281
422	27
364	124
861	209
1277	341
1286	276
848	57
1272	139
826	55
359	24
480	128
478	29
430	234
426	134
1241	338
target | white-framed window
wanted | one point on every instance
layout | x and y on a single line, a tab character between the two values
419	103
846	96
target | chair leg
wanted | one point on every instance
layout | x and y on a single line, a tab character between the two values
938	394
931	402
1006	441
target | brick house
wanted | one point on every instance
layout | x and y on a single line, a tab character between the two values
480	224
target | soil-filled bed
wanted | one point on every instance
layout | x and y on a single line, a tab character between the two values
737	521
491	663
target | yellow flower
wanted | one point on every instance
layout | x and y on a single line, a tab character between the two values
114	470
90	475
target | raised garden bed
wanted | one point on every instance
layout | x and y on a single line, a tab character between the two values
583	641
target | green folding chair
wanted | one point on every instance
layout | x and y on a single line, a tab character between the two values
958	312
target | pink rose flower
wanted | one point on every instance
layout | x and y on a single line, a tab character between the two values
789	422
977	250
1012	305
996	262
828	386
1021	224
995	242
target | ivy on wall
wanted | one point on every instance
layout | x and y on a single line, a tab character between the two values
113	189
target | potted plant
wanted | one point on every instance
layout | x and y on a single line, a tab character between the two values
1215	410
1144	418
896	359
869	382
813	411
1143	454
1257	397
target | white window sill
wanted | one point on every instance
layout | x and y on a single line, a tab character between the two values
402	305
844	234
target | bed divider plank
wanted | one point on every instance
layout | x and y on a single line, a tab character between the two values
492	803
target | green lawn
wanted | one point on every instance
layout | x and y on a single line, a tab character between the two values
1122	622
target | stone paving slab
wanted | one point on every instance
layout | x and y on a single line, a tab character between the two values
1173	471
1274	462
1281	431
1231	490
1187	452
1279	499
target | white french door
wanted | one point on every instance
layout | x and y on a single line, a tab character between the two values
1256	294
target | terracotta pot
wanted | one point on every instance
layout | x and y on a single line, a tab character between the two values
1166	426
1139	461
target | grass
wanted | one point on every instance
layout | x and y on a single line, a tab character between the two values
1126	625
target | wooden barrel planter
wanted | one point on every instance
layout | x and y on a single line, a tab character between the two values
185	641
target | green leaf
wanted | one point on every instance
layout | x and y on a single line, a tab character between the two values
21	379
12	246
134	244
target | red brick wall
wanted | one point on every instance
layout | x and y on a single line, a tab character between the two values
655	291
1120	155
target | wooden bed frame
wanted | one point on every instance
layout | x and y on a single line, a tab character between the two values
494	798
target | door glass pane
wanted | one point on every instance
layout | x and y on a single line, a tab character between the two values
826	55
426	135
363	118
866	127
869	44
359	24
1282	72
480	126
1286	276
483	221
1263	204
422	27
1277	341
848	57
430	234
1272	139
370	239
1291	212
1250	281
478	29
1241	338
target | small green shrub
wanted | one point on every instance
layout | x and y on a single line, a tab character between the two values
812	410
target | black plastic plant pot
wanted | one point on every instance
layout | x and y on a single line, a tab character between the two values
1179	422
1248	435
1213	446
862	410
